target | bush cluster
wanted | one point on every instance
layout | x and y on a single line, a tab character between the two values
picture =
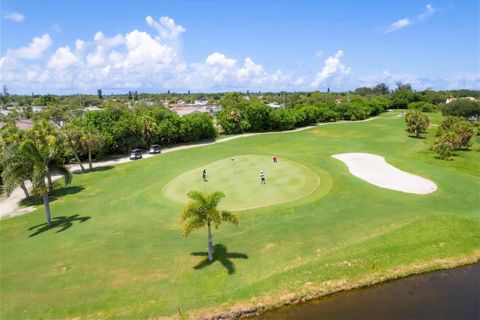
454	134
241	115
124	129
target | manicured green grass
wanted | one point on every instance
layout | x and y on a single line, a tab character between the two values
128	259
239	179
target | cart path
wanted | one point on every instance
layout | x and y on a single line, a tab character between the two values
10	206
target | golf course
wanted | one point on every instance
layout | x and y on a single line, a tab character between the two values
116	250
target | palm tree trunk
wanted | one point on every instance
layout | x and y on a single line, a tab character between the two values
76	155
24	188
50	183
46	203
90	166
210	245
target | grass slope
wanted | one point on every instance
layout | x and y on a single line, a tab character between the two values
117	251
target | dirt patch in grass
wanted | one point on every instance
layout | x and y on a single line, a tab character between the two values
121	277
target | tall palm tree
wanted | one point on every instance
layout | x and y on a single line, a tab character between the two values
201	211
44	134
72	135
17	169
41	157
92	141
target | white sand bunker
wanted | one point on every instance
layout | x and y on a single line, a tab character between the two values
375	170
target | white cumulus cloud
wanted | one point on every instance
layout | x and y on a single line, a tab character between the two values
165	27
62	58
34	50
333	71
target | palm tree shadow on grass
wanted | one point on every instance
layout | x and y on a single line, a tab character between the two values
57	193
220	254
95	169
61	222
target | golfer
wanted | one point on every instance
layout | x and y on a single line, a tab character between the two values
204	174
262	177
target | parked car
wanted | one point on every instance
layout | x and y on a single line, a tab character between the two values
135	154
154	149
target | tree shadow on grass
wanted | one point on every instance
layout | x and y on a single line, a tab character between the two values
57	193
220	254
415	137
95	169
61	222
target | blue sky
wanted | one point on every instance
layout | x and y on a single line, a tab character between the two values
153	46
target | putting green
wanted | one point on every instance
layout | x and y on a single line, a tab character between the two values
286	181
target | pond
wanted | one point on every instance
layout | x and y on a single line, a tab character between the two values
446	294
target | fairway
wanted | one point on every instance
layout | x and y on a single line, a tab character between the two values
286	181
116	250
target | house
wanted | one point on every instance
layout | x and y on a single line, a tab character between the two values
184	109
92	108
21	124
274	105
37	109
200	102
24	124
450	99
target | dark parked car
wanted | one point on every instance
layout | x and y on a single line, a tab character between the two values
135	154
154	149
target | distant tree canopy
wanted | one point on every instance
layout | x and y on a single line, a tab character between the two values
253	115
123	125
462	108
403	96
423	106
46	100
379	89
124	129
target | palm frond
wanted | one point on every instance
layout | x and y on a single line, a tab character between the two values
63	171
192	225
214	198
30	150
230	217
197	196
193	209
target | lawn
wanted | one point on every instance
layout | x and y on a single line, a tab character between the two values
116	250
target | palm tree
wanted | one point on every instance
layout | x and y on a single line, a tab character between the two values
148	128
44	134
72	135
201	211
41	160
17	169
92	141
